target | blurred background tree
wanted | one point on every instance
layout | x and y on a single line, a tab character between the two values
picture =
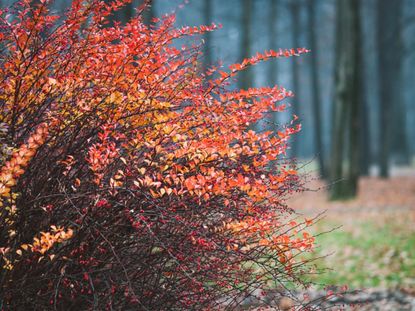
344	166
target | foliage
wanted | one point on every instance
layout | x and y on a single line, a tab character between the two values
130	178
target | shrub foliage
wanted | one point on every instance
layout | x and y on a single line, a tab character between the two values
129	177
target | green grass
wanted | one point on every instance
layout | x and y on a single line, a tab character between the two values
366	255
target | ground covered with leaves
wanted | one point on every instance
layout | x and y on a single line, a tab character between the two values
365	244
372	242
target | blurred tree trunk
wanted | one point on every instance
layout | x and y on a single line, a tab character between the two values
208	12
365	156
128	12
124	14
390	69
246	77
272	17
364	141
149	12
385	95
315	87
345	142
400	148
272	73
295	21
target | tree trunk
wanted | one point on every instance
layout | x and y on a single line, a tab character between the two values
399	147
125	14
272	72
208	11
128	12
345	143
295	20
272	66
389	63
149	12
364	137
356	102
246	77
365	151
315	87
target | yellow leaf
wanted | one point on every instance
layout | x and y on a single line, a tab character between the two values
153	194
52	81
69	233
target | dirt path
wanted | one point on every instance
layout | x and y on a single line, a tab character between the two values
382	201
375	241
396	192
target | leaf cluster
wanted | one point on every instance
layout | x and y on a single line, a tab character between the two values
130	178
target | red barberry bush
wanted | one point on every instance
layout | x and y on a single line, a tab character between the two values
130	178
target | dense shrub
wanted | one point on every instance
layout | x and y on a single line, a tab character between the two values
130	179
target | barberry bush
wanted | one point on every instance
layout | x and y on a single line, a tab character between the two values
130	178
